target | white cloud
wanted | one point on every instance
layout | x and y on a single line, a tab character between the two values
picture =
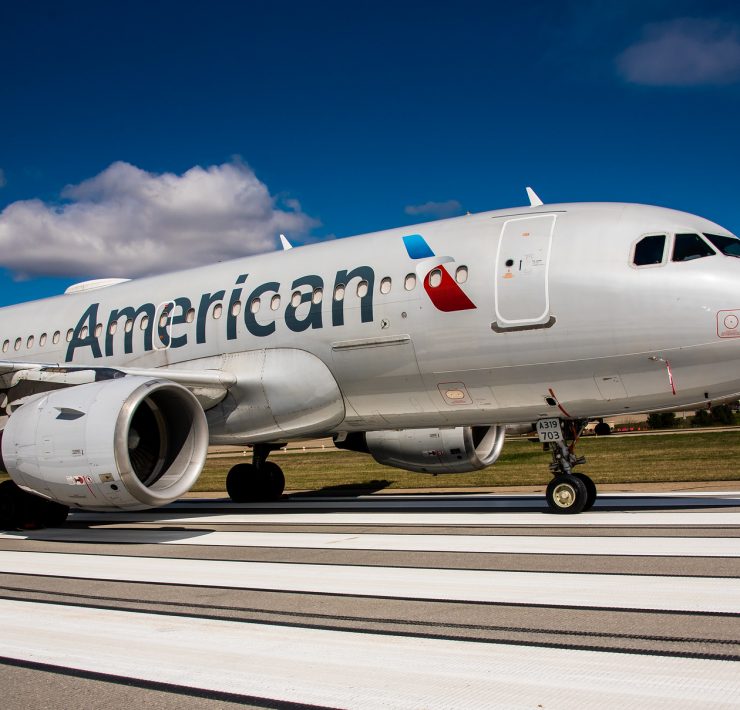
434	209
3	180
683	52
129	222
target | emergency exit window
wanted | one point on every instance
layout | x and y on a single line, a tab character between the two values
649	250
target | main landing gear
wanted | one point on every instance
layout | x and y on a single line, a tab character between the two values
261	480
20	510
568	492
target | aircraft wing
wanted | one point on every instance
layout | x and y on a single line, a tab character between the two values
28	378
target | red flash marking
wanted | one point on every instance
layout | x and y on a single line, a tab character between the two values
670	376
448	296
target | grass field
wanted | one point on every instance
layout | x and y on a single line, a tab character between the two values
709	456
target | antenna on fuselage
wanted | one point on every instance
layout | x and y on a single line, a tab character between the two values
286	244
534	201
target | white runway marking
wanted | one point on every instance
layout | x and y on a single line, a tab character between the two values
350	669
708	594
512	544
486	518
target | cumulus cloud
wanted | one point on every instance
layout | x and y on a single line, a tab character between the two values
3	181
450	208
128	222
683	52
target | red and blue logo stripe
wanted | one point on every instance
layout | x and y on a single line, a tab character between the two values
447	296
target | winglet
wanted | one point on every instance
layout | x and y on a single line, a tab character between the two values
286	244
534	201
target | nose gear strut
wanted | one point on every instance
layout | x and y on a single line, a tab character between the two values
568	492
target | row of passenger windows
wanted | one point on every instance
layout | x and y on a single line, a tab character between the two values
386	284
650	250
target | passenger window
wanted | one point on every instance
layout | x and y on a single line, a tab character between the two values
70	333
29	342
217	310
113	327
318	295
83	332
339	292
275	302
461	275
255	305
649	250
98	331
295	301
435	278
236	309
144	323
17	345
690	246
57	336
410	282
129	325
385	285
362	289
6	345
190	315
42	340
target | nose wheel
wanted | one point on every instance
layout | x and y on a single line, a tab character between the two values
568	492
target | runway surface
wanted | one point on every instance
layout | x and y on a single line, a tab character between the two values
414	601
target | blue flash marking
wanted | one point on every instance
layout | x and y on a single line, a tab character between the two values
417	247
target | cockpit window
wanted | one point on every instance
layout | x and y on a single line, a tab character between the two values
649	250
729	246
690	246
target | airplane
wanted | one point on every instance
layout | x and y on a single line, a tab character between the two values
417	345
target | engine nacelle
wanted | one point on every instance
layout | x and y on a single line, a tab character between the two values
128	443
454	450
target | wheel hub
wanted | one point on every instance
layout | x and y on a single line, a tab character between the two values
564	495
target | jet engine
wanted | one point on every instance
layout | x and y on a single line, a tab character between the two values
453	450
128	443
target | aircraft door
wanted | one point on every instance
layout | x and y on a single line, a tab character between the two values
522	265
162	325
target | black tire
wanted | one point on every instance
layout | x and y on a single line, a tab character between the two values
240	482
10	506
566	494
273	481
53	514
590	490
602	429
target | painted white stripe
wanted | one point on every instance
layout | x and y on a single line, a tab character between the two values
488	518
514	544
350	669
597	590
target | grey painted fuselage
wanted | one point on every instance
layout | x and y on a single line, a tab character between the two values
559	320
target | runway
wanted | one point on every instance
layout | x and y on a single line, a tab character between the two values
383	601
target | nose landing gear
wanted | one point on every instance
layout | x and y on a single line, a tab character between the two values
259	481
568	492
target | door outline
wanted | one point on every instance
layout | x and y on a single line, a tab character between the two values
543	318
158	341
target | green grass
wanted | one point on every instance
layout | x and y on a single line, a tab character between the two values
711	456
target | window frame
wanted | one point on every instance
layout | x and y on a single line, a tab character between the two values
714	251
667	250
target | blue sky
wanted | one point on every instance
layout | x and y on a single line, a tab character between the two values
141	136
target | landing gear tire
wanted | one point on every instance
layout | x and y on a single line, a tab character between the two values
566	493
602	429
590	490
273	481
247	483
22	510
240	482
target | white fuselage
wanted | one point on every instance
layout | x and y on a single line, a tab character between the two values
554	319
